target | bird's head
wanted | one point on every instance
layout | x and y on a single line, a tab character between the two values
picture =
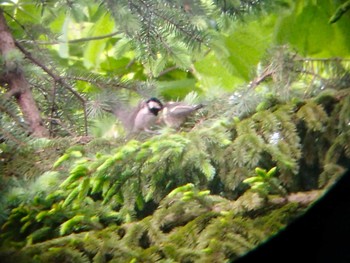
154	105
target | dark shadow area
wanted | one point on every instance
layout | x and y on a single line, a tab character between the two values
320	235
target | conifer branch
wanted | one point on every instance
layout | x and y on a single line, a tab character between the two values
12	138
13	117
302	198
57	79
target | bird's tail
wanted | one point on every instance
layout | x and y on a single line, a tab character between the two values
199	106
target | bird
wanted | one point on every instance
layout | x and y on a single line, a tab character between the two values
176	113
142	117
146	115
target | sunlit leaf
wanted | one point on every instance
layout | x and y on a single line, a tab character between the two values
94	49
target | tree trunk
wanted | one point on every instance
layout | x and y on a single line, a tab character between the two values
16	83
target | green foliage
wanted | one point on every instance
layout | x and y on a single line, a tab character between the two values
341	10
169	197
314	39
265	182
202	229
98	184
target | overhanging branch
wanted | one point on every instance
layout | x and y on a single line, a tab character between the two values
58	79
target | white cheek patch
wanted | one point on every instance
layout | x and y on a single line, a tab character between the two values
154	105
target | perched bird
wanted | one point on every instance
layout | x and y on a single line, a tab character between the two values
142	117
176	113
146	115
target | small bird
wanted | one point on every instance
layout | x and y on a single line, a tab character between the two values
142	117
176	113
146	115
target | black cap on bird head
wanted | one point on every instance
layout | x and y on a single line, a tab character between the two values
154	105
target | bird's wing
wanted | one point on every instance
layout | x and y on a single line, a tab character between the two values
181	110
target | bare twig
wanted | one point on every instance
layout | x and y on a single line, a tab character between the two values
73	41
321	59
266	73
167	70
53	105
59	122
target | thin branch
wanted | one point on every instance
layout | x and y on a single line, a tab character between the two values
52	106
322	59
59	122
167	70
73	41
57	79
267	73
132	62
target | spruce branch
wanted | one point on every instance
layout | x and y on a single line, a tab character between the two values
57	79
13	117
12	138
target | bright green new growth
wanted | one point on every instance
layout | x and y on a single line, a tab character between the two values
214	190
265	182
102	184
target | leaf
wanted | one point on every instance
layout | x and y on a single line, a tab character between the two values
94	49
28	12
216	78
122	46
341	10
319	38
63	48
177	89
